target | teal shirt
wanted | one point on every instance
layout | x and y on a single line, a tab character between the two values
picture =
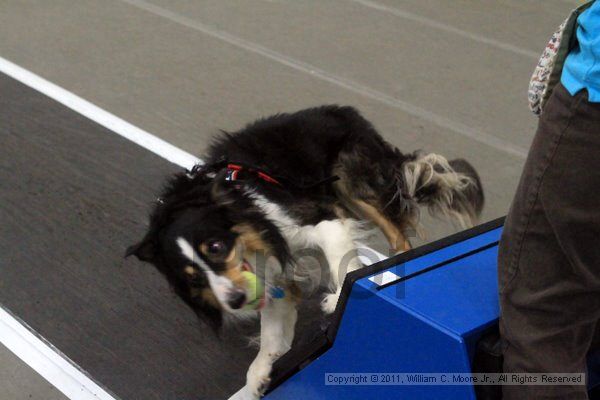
582	66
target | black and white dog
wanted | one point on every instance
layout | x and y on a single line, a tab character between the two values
290	181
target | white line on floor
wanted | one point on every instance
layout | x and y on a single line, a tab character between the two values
448	28
439	120
47	361
98	115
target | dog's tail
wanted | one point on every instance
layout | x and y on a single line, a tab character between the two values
450	189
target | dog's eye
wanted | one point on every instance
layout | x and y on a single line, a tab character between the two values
216	248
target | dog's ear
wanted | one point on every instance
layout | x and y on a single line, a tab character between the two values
144	250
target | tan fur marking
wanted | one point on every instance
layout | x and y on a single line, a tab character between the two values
251	239
233	268
234	274
362	209
204	248
393	234
190	270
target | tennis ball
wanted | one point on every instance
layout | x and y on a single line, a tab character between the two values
255	290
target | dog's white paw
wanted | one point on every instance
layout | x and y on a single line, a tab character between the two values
257	379
329	302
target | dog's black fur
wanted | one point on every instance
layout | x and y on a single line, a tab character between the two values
302	150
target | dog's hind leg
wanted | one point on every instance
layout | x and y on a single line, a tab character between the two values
389	187
364	203
394	235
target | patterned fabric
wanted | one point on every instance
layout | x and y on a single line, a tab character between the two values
549	69
541	75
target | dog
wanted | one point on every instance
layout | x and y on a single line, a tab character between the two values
291	181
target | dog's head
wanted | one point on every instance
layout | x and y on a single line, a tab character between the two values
203	233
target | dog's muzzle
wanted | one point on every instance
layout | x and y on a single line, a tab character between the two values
236	299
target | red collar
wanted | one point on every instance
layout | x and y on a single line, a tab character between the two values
237	172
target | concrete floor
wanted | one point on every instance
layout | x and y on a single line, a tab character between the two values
444	76
19	382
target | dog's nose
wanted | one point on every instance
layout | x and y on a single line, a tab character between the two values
237	299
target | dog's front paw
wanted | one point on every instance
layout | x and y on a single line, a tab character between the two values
259	387
329	302
258	379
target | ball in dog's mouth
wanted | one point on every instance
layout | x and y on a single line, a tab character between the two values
255	291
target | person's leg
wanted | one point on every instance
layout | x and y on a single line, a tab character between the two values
549	258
